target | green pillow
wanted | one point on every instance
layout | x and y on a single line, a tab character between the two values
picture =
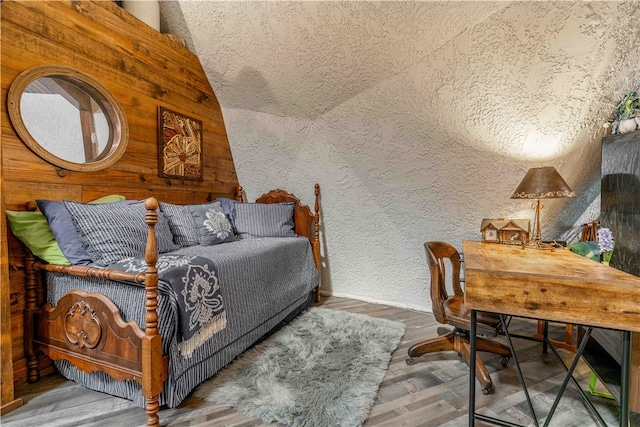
589	250
111	198
32	229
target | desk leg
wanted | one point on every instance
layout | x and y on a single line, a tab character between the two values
545	337
569	377
525	389
472	368
624	379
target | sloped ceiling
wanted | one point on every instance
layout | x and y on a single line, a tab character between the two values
418	119
303	59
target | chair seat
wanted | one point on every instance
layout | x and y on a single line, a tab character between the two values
458	315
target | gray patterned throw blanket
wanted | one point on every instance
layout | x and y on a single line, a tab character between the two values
192	283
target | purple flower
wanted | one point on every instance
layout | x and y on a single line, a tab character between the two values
605	240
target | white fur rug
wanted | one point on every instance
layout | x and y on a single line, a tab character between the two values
322	369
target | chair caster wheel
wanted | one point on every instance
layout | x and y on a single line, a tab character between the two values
410	360
505	361
486	390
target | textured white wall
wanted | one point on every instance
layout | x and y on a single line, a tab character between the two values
418	119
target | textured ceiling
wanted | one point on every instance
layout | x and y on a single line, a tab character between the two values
306	58
418	119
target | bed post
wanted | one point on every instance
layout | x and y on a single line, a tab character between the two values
31	308
153	374
316	238
239	197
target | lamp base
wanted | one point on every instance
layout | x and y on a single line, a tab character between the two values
536	242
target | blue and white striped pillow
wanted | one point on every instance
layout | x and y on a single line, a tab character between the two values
113	232
181	224
264	220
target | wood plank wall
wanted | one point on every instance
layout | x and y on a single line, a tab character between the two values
143	69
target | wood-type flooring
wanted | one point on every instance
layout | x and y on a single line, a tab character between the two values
431	393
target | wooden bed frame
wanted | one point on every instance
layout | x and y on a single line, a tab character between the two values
87	329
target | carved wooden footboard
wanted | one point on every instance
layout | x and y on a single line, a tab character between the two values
87	329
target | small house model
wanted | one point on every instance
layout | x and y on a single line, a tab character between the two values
509	231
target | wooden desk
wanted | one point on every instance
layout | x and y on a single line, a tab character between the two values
555	285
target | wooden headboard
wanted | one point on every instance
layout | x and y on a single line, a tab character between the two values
144	70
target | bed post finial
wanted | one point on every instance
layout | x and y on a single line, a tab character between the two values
239	197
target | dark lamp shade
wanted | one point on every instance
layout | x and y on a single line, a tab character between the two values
542	183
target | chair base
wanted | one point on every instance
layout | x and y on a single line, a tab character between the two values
458	340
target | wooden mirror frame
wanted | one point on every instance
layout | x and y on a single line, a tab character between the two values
114	114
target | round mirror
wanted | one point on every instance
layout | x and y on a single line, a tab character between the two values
67	118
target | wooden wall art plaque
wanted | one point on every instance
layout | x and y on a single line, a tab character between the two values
180	146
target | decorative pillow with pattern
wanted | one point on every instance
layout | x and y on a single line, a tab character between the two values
183	228
264	220
114	231
212	223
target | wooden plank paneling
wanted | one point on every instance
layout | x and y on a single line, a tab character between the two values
109	46
7	401
143	69
25	191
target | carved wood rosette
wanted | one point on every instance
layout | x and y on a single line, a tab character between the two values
82	325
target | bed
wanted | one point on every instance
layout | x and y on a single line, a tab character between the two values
153	326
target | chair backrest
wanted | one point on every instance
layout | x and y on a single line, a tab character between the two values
590	231
437	254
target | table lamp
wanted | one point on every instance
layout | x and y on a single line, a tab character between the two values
541	183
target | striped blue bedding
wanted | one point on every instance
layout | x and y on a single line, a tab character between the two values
264	281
